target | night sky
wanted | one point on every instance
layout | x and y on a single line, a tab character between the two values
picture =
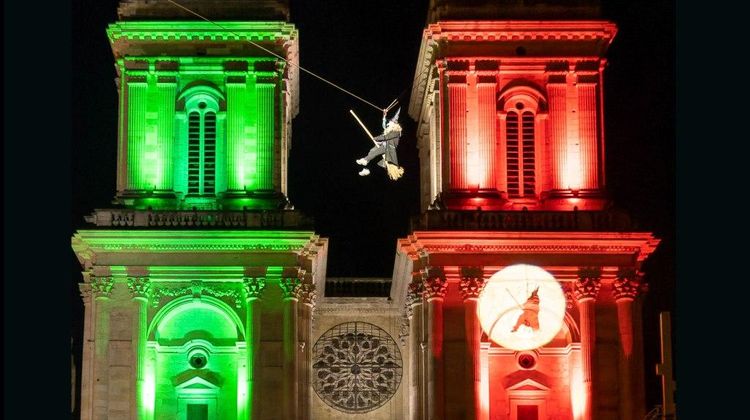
370	48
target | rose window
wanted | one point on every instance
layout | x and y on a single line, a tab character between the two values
356	367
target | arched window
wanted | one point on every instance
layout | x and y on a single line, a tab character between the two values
201	175
521	138
520	156
200	146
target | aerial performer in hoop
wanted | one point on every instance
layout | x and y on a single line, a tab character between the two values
385	146
530	315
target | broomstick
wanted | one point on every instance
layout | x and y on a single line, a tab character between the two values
394	171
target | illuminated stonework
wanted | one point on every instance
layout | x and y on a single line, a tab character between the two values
357	367
204	114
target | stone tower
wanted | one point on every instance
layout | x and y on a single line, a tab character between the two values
508	98
199	283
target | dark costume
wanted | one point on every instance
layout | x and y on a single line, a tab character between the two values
387	144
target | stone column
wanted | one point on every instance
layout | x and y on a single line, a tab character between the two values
471	284
414	315
626	288
585	290
140	291
101	288
253	286
306	296
435	286
289	283
87	361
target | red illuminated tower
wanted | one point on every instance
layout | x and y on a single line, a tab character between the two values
508	98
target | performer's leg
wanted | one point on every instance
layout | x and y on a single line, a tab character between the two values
374	152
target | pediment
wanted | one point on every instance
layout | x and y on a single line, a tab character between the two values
528	384
197	382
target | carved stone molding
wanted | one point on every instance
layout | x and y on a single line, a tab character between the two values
197	289
434	283
140	287
160	292
472	282
570	299
290	281
102	287
587	286
234	293
628	284
253	286
414	292
403	331
86	292
305	292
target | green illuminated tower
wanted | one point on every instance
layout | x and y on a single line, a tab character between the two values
200	282
205	107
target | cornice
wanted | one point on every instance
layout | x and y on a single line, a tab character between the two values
481	242
201	31
86	242
514	30
436	35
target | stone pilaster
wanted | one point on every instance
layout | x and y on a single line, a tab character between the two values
101	288
306	296
585	292
470	285
140	291
87	361
435	286
414	315
252	287
290	282
626	288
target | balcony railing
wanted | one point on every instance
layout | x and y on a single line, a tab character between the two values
175	219
607	220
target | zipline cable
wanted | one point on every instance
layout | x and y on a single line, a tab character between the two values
287	61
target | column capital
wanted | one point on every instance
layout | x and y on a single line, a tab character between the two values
587	285
101	287
414	291
472	282
253	286
290	281
305	292
86	292
434	282
628	284
140	287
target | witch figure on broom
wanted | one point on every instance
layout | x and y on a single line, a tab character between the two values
385	146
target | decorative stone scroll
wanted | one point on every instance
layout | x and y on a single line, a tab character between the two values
140	287
587	286
289	282
253	286
628	284
472	282
434	283
101	287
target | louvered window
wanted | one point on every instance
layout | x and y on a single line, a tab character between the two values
202	151
520	160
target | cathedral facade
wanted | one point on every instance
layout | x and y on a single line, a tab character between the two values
517	294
